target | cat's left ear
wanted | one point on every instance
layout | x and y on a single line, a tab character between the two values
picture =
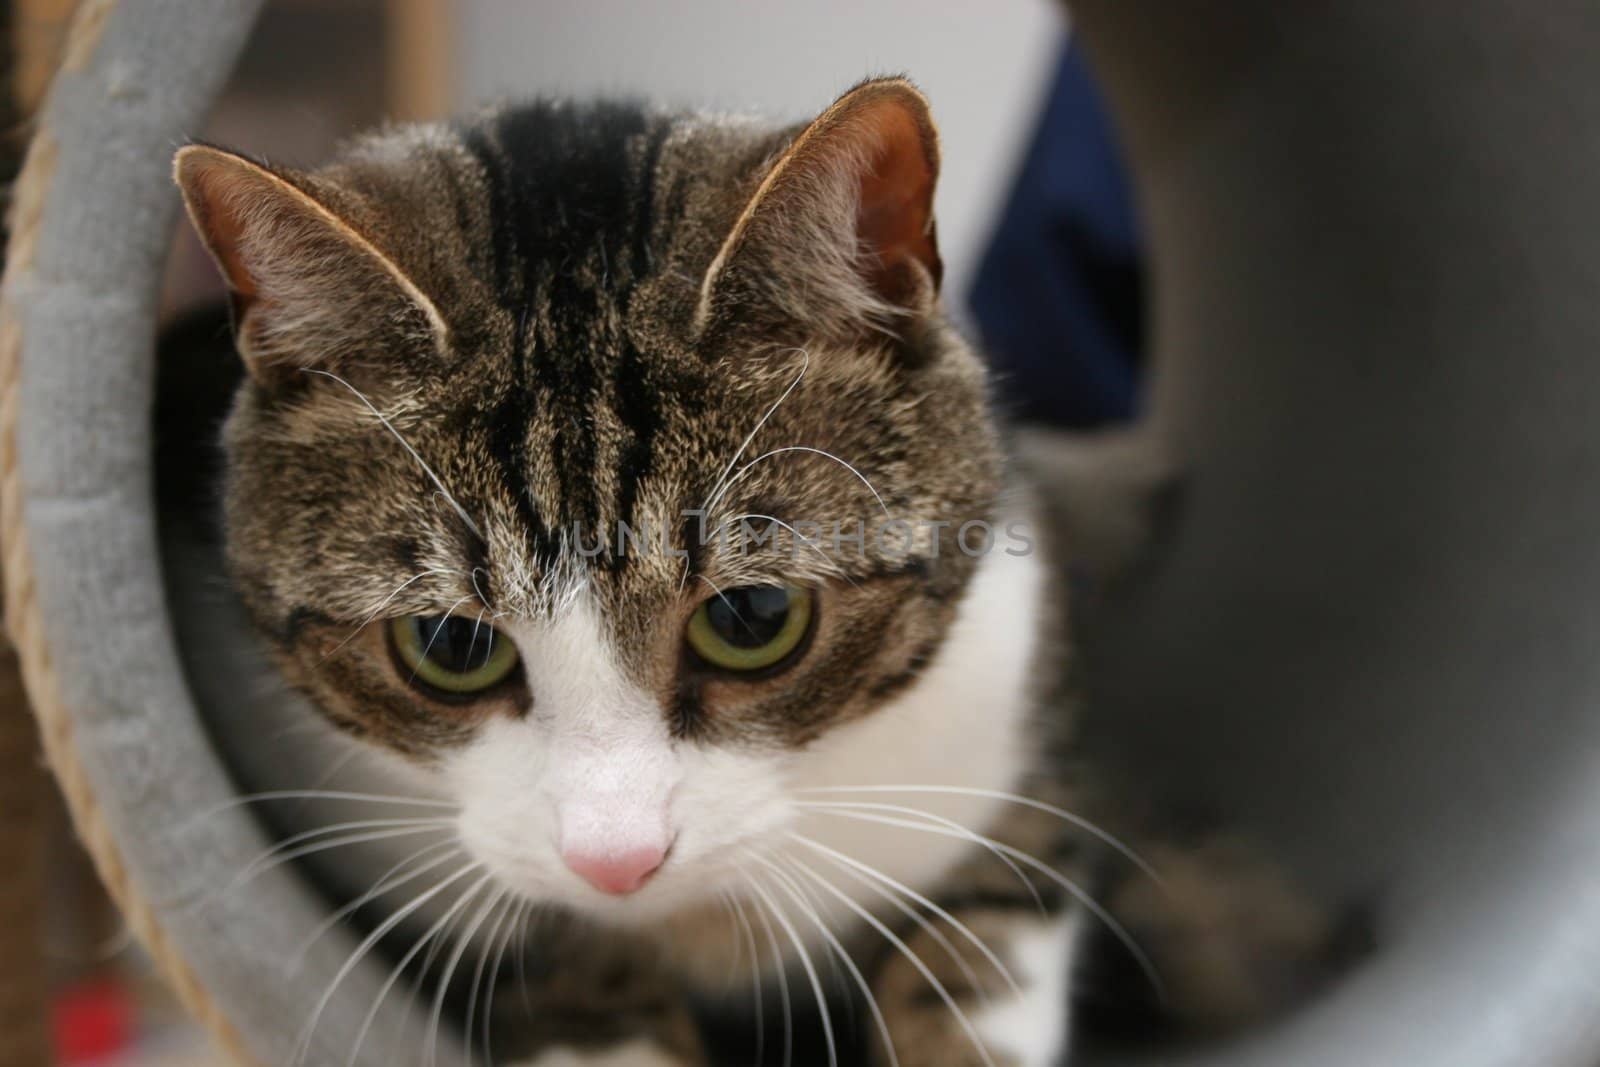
309	290
840	229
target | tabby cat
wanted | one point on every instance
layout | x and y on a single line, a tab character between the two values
632	530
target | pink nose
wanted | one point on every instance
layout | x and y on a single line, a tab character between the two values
617	873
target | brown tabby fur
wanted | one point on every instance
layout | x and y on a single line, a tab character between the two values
576	315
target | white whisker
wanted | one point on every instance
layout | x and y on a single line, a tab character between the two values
336	766
279	855
805	364
915	961
437	630
805	962
723	597
798	448
834	807
1079	821
387	425
506	903
318	794
389	881
463	942
863	872
833	564
411	954
782	972
1077	892
726	900
522	956
516	915
716	487
811	911
373	614
755	975
302	1045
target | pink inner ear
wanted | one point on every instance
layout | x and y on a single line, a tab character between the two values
895	216
215	190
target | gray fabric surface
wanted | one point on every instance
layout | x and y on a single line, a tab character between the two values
1376	245
87	312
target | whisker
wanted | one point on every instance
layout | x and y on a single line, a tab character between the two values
439	944
405	961
387	425
782	972
516	914
374	613
725	900
833	564
812	900
915	961
318	794
506	902
337	766
805	962
755	975
338	828
389	881
724	598
522	956
798	448
862	872
463	942
805	364
815	915
473	643
277	860
1077	892
835	807
302	1045
1079	821
478	589
437	630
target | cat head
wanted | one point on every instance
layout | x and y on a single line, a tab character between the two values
604	465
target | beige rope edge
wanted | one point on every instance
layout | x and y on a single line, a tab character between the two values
23	618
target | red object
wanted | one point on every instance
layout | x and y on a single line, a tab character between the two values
92	1020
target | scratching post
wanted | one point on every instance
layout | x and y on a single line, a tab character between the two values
92	215
1375	250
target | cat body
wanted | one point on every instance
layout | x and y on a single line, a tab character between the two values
635	562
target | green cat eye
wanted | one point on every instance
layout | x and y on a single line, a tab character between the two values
751	627
453	653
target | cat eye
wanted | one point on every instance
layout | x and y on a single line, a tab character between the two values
452	653
751	627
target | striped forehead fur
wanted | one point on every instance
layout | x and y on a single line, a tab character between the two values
567	248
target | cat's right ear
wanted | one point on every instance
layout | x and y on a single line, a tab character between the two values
309	291
839	232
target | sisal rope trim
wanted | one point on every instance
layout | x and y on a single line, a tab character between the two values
23	613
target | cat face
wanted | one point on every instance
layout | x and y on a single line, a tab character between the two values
608	467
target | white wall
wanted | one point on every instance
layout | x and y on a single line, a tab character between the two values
982	62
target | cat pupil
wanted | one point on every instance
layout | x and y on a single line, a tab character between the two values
454	643
751	616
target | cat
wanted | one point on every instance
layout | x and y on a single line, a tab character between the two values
630	542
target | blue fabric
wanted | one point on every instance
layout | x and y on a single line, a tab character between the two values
1059	291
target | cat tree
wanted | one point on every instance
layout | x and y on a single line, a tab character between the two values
1374	235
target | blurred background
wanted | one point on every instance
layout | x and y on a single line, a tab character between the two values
1035	225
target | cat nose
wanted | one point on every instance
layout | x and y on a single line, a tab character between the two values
616	873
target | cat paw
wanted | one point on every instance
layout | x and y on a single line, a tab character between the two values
1231	936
